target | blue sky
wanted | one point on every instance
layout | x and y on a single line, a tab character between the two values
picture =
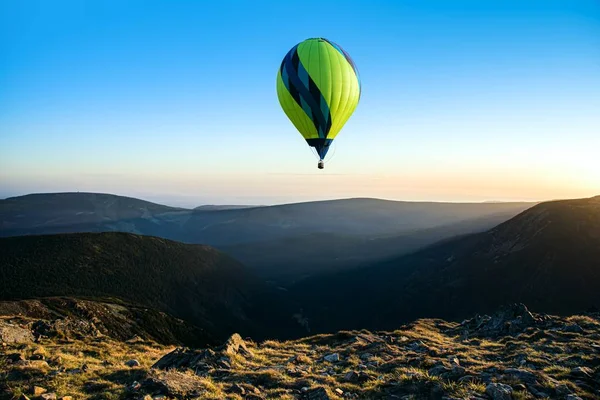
175	101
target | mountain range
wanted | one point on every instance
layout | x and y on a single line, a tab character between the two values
548	257
545	255
283	242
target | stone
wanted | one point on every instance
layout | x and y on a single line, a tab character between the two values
519	387
453	360
562	390
335	357
236	345
318	393
582	372
49	396
574	328
351	377
237	389
38	390
522	374
15	357
11	333
132	363
224	363
499	391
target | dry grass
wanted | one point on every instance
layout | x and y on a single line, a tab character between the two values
398	362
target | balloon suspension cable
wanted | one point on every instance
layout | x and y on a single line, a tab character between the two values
314	152
334	146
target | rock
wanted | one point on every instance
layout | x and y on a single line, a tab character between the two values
582	372
418	346
499	391
335	357
574	328
363	377
453	360
153	385
224	363
511	319
11	333
183	358
318	393
66	398
49	396
522	375
15	357
339	391
351	377
438	370
537	392
132	363
366	356
573	397
520	387
454	374
236	345
562	390
237	389
38	390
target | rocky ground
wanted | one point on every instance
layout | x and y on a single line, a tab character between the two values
512	354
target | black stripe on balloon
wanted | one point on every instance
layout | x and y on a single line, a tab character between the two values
311	94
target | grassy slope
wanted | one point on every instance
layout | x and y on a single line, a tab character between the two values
194	282
410	361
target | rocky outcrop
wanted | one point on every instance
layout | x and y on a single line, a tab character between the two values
508	355
13	333
205	360
508	320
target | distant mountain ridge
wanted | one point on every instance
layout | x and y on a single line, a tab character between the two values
314	236
547	256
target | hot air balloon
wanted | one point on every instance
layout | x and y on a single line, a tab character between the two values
318	88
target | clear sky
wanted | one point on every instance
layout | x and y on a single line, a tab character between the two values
175	101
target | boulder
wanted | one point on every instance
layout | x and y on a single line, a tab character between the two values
11	333
499	391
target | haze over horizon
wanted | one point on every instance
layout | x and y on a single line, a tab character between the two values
175	102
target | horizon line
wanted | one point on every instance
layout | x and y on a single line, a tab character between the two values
229	204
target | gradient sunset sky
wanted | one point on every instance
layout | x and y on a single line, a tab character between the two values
175	101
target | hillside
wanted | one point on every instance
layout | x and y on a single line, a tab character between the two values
285	242
50	213
547	256
510	354
297	257
66	318
193	282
